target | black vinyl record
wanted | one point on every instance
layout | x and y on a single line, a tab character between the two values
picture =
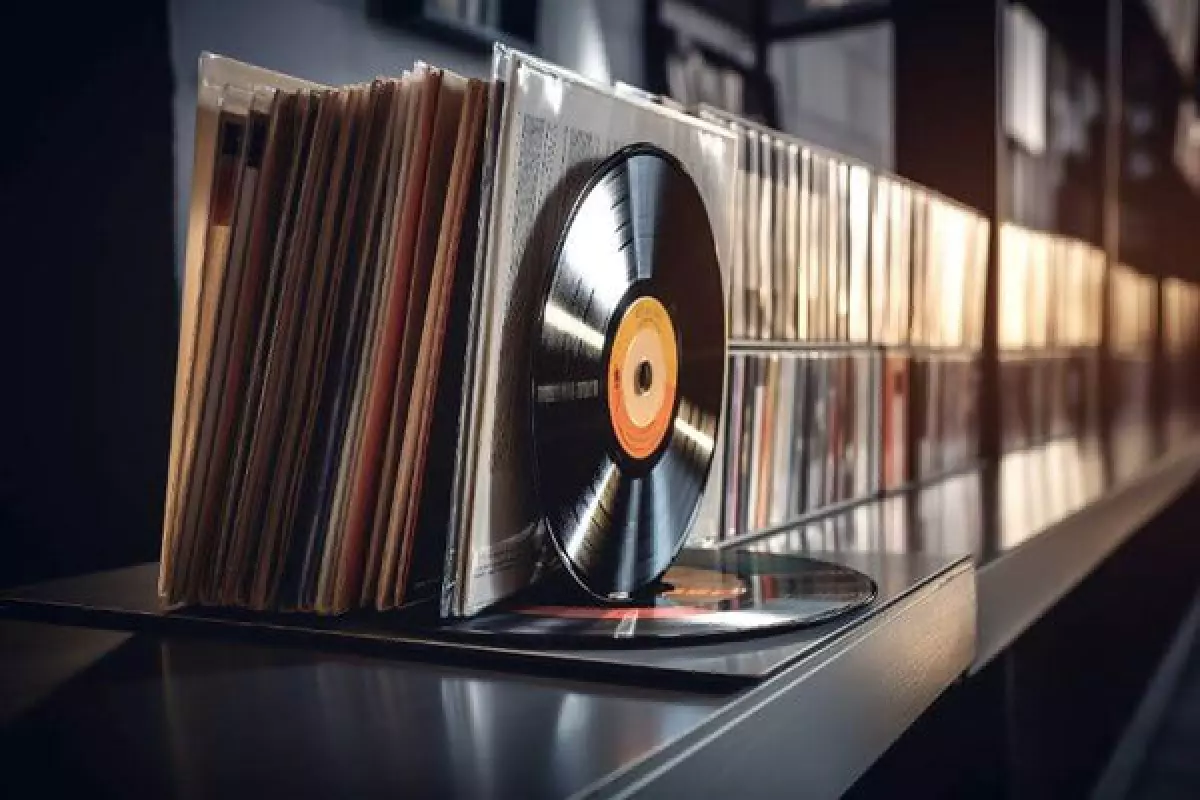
628	373
706	594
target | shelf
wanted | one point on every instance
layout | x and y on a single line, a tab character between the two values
1017	585
127	599
652	719
709	718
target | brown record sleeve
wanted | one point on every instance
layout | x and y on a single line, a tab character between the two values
226	364
379	407
322	283
207	155
267	220
281	355
354	318
344	556
349	552
218	241
338	353
243	538
201	286
437	163
409	485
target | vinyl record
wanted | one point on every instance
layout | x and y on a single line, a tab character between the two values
628	373
705	594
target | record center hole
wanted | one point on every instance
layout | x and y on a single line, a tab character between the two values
643	377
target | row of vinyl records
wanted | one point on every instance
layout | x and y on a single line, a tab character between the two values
321	257
1138	304
810	428
807	430
1181	351
1051	295
1051	290
1181	318
828	249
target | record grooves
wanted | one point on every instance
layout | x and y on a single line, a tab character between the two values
628	373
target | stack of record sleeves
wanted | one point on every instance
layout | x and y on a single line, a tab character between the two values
856	315
1133	317
441	337
1181	335
1049	335
322	256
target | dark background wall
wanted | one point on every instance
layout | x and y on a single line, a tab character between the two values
88	308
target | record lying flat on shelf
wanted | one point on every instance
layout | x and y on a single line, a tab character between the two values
628	372
705	594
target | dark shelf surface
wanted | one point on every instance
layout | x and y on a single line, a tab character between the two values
214	709
127	599
211	703
164	716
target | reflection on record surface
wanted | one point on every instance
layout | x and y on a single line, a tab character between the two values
705	593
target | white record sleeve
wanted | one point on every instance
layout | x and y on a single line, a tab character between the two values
737	292
552	122
879	259
779	261
859	203
791	244
782	450
752	200
766	249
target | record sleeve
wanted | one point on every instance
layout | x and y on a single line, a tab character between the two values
251	279
931	455
895	434
805	253
782	475
271	222
837	267
818	403
879	225
205	356
757	445
737	270
769	439
866	420
920	315
798	443
848	418
780	266
752	407
226	97
766	248
735	409
791	245
900	252
823	247
977	281
553	126
755	216
858	327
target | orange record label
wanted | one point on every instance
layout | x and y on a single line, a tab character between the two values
643	371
